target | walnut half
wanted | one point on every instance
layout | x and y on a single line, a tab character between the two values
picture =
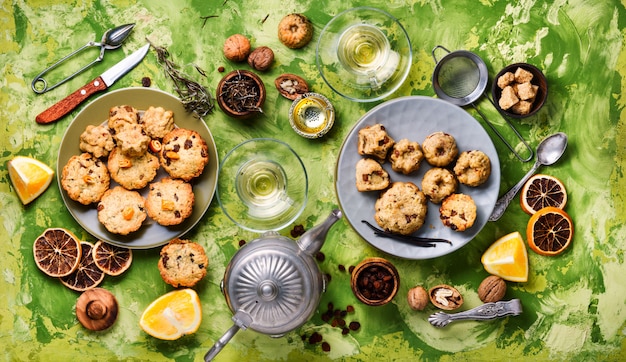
445	297
291	86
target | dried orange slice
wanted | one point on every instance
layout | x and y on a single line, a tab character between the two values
111	259
542	191
87	275
549	231
172	315
507	258
30	177
57	252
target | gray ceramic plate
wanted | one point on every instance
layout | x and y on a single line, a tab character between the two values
416	117
150	234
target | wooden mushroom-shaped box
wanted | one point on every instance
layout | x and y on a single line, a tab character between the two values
241	94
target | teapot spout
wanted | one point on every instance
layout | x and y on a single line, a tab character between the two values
311	242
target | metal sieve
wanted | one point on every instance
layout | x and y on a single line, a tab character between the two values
461	77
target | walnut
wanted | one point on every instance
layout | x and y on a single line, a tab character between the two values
261	58
417	298
445	297
295	31
291	86
236	48
492	289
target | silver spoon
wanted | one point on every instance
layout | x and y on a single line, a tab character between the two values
111	39
549	151
483	312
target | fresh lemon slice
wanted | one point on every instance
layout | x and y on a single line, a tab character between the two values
30	177
172	315
507	258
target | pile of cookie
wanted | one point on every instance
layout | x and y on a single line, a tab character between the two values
402	206
129	149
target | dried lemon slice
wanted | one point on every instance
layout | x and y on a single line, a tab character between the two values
111	259
550	231
542	191
87	275
57	252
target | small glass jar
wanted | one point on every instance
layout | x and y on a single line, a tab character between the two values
311	115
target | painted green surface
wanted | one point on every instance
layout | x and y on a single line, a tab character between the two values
574	304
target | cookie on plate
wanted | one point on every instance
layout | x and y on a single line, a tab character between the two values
182	263
170	201
401	208
440	149
132	140
458	212
96	140
121	116
370	175
157	122
374	141
406	156
133	173
473	168
439	183
85	178
184	154
121	211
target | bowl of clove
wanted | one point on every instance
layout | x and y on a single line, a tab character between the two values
241	94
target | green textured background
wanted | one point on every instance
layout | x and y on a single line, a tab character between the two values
574	304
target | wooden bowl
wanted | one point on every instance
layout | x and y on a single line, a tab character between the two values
227	104
363	284
539	80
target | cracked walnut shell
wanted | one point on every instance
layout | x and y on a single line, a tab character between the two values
445	297
236	48
295	31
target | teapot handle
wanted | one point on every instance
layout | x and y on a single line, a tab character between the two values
242	321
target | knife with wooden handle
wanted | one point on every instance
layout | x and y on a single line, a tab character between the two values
104	81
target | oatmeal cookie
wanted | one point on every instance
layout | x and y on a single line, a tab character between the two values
121	116
132	140
157	122
473	168
406	156
183	263
132	173
374	141
440	149
121	211
96	140
438	183
184	154
401	208
458	212
85	178
370	175
170	201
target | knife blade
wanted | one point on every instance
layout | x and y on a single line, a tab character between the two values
100	83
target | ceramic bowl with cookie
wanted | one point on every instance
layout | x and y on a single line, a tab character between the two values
519	90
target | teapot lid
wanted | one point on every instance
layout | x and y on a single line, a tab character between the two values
272	281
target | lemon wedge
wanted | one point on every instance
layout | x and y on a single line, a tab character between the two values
29	177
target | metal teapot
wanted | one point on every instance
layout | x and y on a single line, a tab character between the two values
273	285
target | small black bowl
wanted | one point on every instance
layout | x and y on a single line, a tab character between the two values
539	79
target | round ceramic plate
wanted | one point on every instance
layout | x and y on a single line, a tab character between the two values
150	234
414	118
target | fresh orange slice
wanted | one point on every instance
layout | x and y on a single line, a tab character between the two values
111	259
507	258
549	231
30	177
542	191
57	252
173	315
87	275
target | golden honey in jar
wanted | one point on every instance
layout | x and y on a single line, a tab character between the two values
311	115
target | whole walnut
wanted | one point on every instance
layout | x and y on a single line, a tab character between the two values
236	48
261	58
492	289
417	298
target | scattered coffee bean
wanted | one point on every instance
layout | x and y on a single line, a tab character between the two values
325	347
342	268
146	82
354	326
297	231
